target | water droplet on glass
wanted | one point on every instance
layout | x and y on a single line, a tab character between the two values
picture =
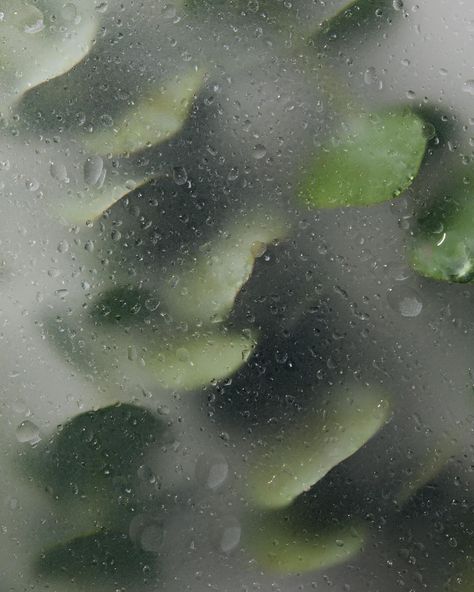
29	432
58	171
180	176
405	300
69	12
102	7
32	184
63	246
146	531
259	151
93	168
397	4
212	470
228	535
35	27
468	87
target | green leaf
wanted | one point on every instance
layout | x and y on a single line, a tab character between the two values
355	17
373	159
307	451
205	290
282	545
97	559
89	203
96	449
155	118
40	41
443	245
200	359
121	304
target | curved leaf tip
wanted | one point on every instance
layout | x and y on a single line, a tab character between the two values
319	442
280	545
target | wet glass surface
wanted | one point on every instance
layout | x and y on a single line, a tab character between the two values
237	255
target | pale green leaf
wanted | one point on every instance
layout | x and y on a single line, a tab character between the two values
317	443
89	203
374	158
281	545
206	288
198	360
41	40
155	117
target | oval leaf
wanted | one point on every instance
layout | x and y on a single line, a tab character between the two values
280	546
199	360
206	289
309	450
154	119
375	159
38	50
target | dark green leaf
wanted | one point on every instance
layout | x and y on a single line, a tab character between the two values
357	17
97	559
97	450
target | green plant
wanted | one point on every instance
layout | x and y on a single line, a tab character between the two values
165	183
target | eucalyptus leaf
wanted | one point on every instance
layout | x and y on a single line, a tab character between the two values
356	17
87	453
281	545
200	359
89	203
205	290
155	118
309	450
374	158
99	558
443	244
40	41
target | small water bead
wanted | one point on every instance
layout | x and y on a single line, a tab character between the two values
102	7
180	175
35	27
212	470
32	184
59	172
28	432
468	87
405	301
93	170
259	151
230	537
63	246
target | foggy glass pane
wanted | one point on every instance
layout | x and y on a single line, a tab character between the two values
236	267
